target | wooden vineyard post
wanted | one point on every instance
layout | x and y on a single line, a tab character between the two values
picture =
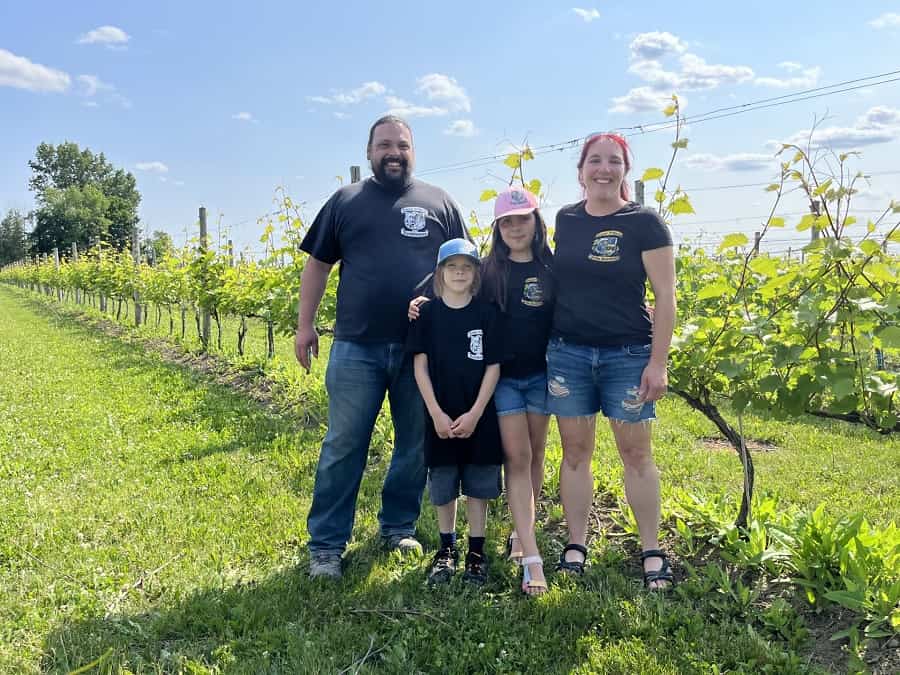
204	316
639	191
56	264
75	262
136	256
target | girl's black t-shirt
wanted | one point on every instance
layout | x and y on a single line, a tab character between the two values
600	276
527	320
460	344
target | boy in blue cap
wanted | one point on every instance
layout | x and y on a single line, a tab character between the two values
457	356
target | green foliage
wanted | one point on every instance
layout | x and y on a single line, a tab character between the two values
79	174
12	237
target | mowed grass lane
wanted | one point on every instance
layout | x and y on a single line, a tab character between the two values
152	520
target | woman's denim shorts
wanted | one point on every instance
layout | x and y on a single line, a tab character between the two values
583	380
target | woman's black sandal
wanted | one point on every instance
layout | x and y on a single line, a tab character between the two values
664	573
572	566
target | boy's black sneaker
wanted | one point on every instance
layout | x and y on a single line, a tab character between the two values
443	566
476	569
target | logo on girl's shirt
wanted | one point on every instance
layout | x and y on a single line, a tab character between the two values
475	345
532	293
414	221
606	246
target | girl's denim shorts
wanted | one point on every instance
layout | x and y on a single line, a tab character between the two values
515	395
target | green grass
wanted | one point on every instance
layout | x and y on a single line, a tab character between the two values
155	520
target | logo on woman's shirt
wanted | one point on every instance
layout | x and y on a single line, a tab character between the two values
606	246
475	345
414	221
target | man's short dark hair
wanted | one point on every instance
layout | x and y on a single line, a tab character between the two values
387	119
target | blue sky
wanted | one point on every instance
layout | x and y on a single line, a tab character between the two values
217	104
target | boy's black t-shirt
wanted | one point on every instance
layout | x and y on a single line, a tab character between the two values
460	344
386	242
600	276
528	318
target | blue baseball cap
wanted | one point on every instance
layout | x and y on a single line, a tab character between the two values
457	247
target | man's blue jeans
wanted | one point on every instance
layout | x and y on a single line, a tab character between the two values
356	379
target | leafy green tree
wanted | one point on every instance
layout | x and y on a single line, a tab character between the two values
65	167
75	214
12	237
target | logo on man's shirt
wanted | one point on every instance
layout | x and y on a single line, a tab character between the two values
606	246
533	293
476	347
414	221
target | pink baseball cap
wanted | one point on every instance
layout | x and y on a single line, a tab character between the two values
513	202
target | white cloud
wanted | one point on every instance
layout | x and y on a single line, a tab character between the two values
244	117
587	14
806	79
361	93
464	128
879	124
880	116
693	73
19	72
105	35
152	167
341	115
791	66
90	104
91	84
698	74
886	20
439	87
179	183
403	108
644	99
655	45
744	161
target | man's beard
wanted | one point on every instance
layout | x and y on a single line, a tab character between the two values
391	181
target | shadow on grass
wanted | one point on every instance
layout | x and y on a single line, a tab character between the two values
382	608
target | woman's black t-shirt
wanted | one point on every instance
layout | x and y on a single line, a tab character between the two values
460	344
600	276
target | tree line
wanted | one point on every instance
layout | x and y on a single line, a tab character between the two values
81	198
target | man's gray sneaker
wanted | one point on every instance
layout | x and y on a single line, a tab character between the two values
405	543
325	564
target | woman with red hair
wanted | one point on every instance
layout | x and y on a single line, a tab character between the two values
605	354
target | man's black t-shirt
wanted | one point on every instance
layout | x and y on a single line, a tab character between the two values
387	242
459	343
600	276
528	316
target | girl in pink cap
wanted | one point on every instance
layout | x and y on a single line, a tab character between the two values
517	277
